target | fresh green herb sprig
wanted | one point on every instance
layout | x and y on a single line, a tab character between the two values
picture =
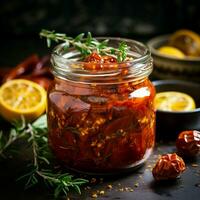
40	169
122	54
87	44
16	132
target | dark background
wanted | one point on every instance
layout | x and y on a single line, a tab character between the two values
21	21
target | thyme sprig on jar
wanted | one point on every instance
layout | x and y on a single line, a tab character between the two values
86	44
40	167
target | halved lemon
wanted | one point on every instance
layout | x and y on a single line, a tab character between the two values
22	97
174	101
171	51
187	41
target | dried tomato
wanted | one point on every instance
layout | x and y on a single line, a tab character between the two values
97	62
168	166
188	143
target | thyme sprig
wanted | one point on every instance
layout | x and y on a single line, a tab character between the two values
86	44
40	169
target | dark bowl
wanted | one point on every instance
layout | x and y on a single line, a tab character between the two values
168	123
168	67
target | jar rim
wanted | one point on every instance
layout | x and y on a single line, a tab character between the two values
146	54
64	61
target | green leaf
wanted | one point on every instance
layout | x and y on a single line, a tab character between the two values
48	42
89	38
103	44
40	123
79	37
122	51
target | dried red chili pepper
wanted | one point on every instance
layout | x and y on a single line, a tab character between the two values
32	68
188	143
168	166
23	68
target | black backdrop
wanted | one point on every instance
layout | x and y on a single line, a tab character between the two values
130	18
22	20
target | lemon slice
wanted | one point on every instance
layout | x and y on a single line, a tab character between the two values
187	41
171	51
174	101
22	97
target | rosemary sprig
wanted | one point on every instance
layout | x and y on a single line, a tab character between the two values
86	44
40	168
16	132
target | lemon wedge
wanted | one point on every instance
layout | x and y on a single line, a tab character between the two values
22	97
171	51
174	101
186	41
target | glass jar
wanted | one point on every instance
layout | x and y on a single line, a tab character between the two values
101	121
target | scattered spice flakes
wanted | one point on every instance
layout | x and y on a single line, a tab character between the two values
102	192
98	193
124	189
150	167
194	165
93	180
87	188
197	185
101	180
94	195
128	189
136	185
109	186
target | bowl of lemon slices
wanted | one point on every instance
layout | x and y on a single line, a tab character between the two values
177	107
176	56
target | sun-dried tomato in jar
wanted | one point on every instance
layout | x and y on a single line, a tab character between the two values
101	116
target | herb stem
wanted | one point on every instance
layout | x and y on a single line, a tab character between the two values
34	146
87	45
40	169
12	138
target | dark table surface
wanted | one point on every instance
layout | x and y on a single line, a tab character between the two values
138	185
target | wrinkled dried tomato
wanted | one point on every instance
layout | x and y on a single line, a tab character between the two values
168	166
100	62
188	143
